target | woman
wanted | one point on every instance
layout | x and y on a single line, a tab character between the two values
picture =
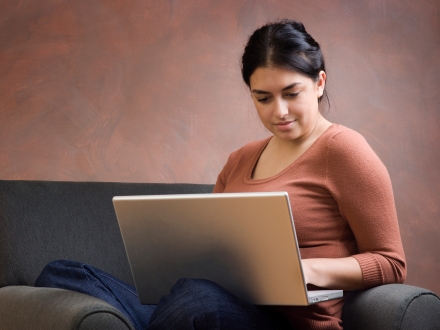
340	192
341	195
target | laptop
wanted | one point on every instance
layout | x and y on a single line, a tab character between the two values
245	242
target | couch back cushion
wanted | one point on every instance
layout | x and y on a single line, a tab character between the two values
42	221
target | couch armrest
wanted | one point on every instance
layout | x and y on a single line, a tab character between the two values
23	307
392	307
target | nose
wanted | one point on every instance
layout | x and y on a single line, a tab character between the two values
281	108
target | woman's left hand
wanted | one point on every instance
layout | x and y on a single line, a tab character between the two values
336	273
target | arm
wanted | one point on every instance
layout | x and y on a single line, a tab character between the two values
219	185
333	273
223	175
360	184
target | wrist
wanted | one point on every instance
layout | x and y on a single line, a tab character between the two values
310	271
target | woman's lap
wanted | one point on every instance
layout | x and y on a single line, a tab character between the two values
201	304
192	304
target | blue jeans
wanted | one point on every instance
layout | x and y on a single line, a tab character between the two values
192	304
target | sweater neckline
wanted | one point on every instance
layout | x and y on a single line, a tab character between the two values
248	178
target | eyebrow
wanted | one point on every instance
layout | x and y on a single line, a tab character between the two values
259	91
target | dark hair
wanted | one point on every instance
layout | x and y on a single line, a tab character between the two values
283	44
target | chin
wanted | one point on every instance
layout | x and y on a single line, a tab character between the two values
287	136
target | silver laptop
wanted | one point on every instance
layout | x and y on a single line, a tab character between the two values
245	242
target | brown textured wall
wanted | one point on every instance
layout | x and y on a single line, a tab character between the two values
145	90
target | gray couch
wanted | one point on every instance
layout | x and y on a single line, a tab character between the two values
41	221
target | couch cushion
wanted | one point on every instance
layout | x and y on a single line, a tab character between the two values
49	308
41	221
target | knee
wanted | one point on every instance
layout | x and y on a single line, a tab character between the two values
203	293
56	270
196	287
193	302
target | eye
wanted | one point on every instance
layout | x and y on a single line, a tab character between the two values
292	95
263	99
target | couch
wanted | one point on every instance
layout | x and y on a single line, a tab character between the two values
41	221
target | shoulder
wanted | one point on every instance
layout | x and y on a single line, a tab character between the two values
348	144
239	162
248	150
349	155
341	136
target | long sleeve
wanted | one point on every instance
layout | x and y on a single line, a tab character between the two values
360	184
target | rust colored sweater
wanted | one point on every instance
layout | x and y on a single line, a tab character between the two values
342	204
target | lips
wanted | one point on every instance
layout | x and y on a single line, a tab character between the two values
284	125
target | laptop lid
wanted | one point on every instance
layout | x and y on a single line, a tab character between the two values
245	242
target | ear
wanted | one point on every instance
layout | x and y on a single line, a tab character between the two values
320	83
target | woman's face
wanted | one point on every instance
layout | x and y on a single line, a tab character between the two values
287	101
